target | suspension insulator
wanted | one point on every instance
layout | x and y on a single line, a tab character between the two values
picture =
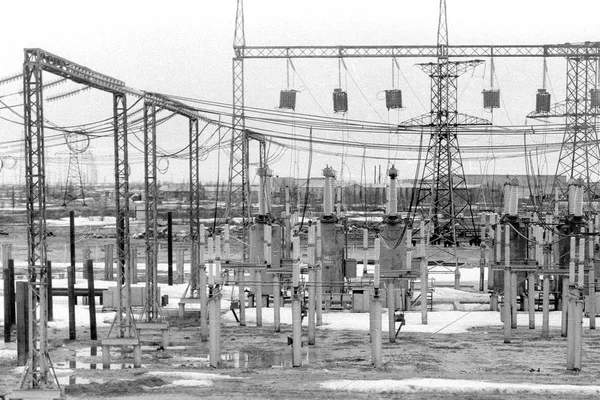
393	98
542	101
491	99
287	99
340	100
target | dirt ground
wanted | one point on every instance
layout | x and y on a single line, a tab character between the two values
256	362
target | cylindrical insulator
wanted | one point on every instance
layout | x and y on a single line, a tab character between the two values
296	274
217	247
507	196
393	199
575	199
267	248
211	256
202	233
296	250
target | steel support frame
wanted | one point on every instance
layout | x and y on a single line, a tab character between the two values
124	317
151	310
39	367
579	156
194	205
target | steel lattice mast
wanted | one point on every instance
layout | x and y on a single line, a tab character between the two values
443	189
37	371
239	183
151	217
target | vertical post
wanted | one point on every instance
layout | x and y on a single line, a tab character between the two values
424	289
108	262
492	255
215	323
513	299
546	306
22	295
204	311
71	277
311	304
242	295
258	296
391	303
365	250
12	295
591	276
531	295
319	277
482	253
457	278
578	330
7	304
296	316
89	265
276	303
170	248
376	312
179	264
71	294
506	310
133	265
571	326
49	291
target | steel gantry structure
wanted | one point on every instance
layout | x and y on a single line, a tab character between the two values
154	102
442	72
38	374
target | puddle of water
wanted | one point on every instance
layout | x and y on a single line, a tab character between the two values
245	360
71	364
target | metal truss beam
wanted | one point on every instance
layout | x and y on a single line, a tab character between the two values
430	120
151	310
75	72
419	51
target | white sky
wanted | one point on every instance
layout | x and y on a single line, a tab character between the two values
185	48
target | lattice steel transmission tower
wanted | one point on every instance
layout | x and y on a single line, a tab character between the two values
78	143
443	193
579	155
